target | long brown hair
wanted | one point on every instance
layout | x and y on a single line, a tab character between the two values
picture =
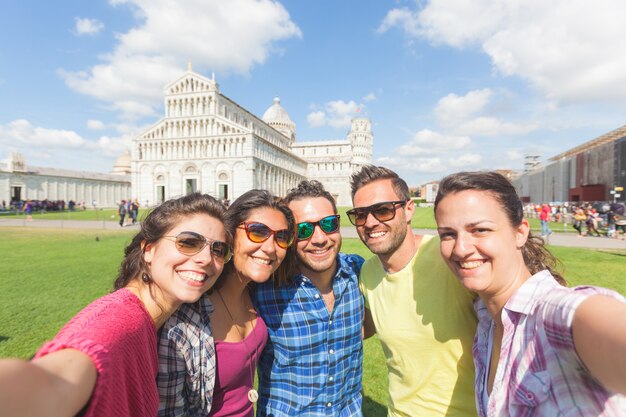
536	256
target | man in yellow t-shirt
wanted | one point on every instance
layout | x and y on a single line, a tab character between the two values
424	318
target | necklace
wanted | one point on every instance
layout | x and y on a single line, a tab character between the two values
253	395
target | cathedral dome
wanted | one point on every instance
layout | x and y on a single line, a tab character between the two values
122	164
277	117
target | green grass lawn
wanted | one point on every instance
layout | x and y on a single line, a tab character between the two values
49	275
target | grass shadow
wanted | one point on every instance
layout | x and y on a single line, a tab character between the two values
372	408
4	338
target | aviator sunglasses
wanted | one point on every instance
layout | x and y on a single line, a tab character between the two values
191	243
382	212
328	224
259	233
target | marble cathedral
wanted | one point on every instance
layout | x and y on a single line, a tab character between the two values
207	142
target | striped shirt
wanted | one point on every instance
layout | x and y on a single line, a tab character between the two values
312	363
187	361
539	372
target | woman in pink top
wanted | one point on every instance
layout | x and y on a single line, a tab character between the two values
541	349
263	229
104	361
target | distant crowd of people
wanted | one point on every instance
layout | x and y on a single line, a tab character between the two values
41	205
589	219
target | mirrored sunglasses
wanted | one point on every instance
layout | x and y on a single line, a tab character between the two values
191	243
382	212
259	233
328	224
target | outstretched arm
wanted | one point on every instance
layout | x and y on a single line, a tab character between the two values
599	330
58	384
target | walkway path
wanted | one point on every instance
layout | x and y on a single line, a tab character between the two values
556	239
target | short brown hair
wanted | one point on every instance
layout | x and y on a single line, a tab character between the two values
309	189
370	173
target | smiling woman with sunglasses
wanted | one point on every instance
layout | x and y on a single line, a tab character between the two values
208	356
104	361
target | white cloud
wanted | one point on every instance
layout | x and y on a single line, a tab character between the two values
132	76
414	164
403	18
316	119
86	26
369	97
556	46
461	115
95	124
490	126
337	114
23	135
514	155
24	132
466	160
452	109
427	142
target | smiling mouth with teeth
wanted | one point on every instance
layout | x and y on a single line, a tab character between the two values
319	251
262	261
471	265
377	234
192	276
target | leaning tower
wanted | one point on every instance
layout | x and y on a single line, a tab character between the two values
362	140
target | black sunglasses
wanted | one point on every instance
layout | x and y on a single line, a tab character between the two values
259	233
191	243
328	224
382	212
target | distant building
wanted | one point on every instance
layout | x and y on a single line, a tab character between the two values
587	172
19	182
207	142
429	191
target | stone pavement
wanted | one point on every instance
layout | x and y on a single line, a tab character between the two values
556	239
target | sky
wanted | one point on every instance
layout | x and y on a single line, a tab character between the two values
449	85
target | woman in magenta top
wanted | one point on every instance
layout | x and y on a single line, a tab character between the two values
263	229
104	361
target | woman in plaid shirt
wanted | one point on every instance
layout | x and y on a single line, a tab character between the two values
541	349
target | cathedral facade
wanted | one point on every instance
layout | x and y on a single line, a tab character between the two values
207	142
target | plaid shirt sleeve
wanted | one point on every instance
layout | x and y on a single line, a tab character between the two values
172	373
557	317
187	362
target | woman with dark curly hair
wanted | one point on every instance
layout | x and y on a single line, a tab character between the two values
209	350
104	361
541	349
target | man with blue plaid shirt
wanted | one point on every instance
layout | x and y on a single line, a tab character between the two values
312	363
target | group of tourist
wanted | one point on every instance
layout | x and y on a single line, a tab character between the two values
475	320
128	208
608	220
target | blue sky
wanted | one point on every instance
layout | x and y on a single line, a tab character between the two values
448	84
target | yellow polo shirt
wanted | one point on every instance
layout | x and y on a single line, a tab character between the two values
426	323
